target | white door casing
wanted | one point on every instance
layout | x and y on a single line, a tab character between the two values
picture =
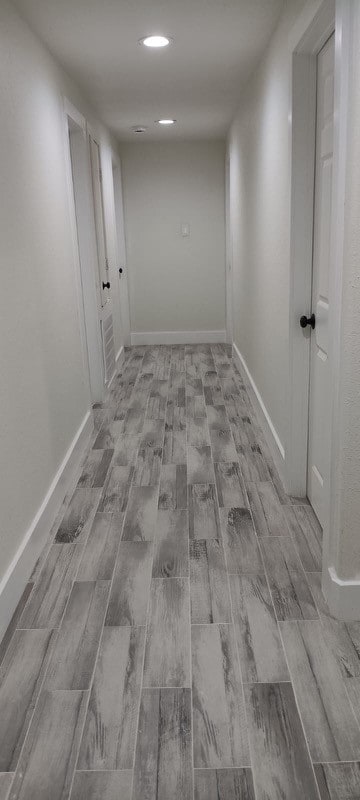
103	277
320	388
121	254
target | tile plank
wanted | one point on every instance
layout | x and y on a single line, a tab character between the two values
167	652
267	511
114	785
200	465
21	676
209	593
305	536
173	486
338	781
109	736
223	784
163	763
131	583
229	484
115	494
261	654
220	738
222	445
288	585
99	554
204	520
141	514
242	552
79	516
329	723
171	559
281	763
75	649
49	596
48	758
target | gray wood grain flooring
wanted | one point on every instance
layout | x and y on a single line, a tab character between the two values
47	761
241	546
261	654
77	643
220	735
130	588
167	653
163	752
110	728
21	676
279	756
171	557
223	784
114	785
210	600
173	641
329	722
338	781
5	783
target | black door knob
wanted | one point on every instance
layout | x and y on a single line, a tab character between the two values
106	285
120	270
304	321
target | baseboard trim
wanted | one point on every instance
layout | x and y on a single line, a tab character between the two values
272	437
120	356
342	596
17	574
178	337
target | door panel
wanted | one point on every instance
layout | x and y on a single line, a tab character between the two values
319	401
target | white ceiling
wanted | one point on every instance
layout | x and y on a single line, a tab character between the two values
197	80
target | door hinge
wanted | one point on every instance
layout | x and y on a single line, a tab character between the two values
107	264
100	174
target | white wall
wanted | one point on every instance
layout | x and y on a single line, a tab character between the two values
259	153
176	283
43	387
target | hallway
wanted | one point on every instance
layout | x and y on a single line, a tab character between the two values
175	619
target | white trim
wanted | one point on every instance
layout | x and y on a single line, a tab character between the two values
343	596
120	355
119	358
272	437
17	574
178	337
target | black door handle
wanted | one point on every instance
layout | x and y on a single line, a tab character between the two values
304	321
106	285
120	270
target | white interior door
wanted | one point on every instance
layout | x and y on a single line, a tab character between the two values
320	389
103	281
121	251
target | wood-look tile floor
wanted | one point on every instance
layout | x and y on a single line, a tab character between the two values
173	642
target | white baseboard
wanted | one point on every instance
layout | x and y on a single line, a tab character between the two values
272	438
16	576
342	596
178	337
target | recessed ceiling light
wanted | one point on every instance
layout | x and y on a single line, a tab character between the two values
166	121
139	128
156	41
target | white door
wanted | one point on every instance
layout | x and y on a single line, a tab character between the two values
320	389
121	253
103	278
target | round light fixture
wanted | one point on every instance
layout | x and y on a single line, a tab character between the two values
139	128
156	41
165	121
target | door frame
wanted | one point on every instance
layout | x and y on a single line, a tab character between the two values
85	250
337	15
308	37
119	190
228	256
